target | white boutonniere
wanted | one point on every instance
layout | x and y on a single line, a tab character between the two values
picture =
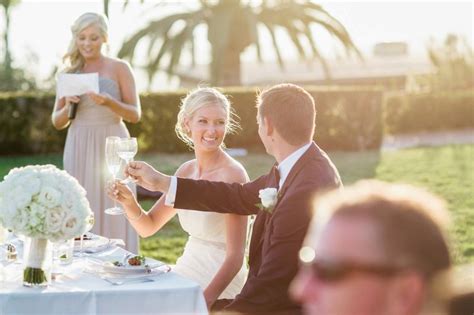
268	198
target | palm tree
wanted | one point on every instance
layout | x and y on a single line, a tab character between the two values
7	5
232	26
106	7
11	78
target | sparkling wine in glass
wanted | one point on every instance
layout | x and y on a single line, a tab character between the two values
128	148
113	161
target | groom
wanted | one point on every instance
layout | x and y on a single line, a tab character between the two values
286	121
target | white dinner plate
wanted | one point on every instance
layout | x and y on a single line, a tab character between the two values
95	243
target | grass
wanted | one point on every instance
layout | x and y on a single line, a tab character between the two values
446	171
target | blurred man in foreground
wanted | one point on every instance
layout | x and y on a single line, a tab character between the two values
372	249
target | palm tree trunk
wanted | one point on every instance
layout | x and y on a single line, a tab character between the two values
225	69
6	40
106	7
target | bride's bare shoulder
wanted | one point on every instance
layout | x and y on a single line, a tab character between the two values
186	168
234	172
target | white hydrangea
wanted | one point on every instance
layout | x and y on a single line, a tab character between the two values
44	202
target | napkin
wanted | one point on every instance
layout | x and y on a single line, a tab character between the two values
69	84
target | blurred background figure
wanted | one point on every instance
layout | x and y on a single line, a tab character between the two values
98	116
373	248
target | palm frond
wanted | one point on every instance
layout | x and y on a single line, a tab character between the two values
175	45
251	19
127	2
271	30
159	27
293	33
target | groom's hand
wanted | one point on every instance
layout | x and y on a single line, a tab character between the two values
147	177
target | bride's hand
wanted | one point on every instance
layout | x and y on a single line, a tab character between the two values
120	193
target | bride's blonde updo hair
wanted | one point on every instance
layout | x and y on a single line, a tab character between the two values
73	59
200	98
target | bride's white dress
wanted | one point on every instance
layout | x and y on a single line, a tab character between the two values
205	250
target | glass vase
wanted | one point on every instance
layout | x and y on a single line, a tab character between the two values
37	260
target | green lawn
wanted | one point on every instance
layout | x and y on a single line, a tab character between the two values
447	171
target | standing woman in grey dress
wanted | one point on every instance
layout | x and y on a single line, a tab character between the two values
98	116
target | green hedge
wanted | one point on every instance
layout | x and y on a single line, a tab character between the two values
25	124
429	112
348	118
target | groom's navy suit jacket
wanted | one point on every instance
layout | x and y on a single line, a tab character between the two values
277	236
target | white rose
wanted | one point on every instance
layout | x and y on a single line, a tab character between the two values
55	219
68	200
49	197
20	197
43	201
268	197
71	227
31	184
8	213
21	221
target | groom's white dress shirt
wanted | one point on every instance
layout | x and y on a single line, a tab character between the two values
284	168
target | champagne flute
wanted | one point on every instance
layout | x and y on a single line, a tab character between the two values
127	149
113	164
89	224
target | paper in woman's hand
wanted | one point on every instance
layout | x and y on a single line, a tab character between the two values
70	84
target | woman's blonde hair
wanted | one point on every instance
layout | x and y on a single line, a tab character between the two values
73	59
200	98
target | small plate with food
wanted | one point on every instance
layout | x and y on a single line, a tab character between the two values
131	263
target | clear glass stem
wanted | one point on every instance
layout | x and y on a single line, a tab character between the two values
81	253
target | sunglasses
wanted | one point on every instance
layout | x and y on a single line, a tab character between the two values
334	271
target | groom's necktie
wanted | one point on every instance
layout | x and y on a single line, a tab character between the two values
276	173
276	176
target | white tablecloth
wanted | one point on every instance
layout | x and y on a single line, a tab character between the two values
77	292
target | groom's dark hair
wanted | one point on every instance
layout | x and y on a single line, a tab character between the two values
291	110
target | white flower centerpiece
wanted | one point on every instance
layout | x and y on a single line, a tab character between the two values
44	204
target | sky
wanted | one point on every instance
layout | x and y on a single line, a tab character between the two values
40	29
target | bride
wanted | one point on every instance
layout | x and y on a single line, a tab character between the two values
214	253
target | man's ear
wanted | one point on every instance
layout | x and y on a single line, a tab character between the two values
408	292
269	128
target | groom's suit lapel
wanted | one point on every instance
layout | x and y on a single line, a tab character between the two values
260	221
297	168
263	219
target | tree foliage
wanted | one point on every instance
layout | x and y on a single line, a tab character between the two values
454	62
11	79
